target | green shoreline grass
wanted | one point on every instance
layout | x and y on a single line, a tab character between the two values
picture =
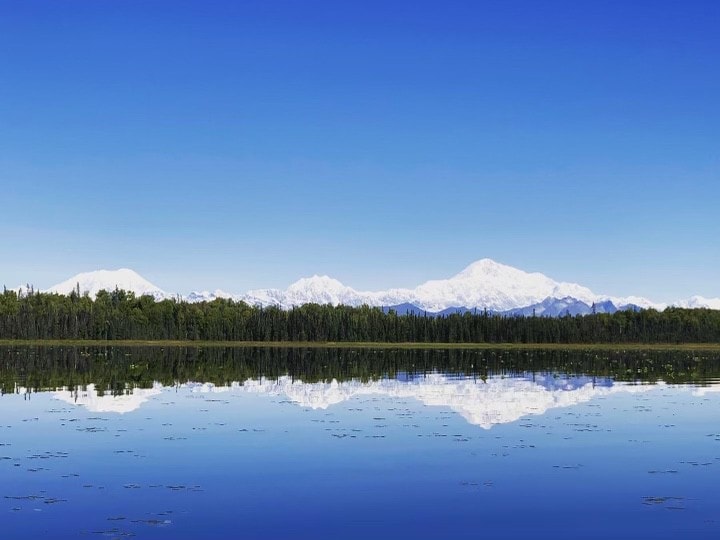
363	345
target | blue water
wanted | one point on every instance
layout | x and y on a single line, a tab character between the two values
424	456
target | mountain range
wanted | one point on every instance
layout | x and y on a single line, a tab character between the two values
483	285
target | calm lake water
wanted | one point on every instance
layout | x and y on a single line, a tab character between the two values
283	443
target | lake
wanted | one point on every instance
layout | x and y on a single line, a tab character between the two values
153	442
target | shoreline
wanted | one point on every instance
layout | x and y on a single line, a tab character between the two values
712	347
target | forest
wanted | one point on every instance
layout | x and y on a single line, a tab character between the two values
120	315
116	368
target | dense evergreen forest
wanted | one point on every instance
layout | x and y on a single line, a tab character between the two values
121	315
114	369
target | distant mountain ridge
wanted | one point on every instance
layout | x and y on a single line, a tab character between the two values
483	285
550	307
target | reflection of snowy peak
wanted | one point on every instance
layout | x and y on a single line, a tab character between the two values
89	398
498	400
495	401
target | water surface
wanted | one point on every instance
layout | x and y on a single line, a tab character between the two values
249	443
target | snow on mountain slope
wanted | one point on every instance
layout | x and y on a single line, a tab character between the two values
207	296
23	290
637	301
553	307
495	286
484	284
699	302
315	289
109	280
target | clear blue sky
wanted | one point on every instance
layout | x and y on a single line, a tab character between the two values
245	144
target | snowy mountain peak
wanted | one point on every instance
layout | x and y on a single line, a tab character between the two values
207	296
109	280
311	290
486	267
498	287
316	284
699	302
483	284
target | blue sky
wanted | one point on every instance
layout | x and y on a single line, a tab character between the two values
245	144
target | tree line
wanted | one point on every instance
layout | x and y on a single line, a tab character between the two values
118	314
115	369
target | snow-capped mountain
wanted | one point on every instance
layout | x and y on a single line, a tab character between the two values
556	307
315	289
483	285
497	287
207	296
109	280
23	290
699	302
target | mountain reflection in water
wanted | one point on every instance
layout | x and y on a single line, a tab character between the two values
187	443
497	400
